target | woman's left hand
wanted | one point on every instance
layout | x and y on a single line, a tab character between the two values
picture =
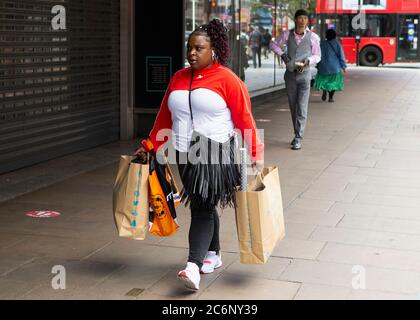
258	165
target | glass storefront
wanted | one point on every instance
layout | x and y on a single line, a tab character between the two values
252	24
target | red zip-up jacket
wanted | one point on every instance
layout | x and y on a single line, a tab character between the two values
225	83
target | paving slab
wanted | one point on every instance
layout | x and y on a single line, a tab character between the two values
390	240
348	275
247	288
371	256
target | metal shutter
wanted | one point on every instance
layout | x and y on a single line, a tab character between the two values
59	90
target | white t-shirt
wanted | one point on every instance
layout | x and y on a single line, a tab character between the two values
211	115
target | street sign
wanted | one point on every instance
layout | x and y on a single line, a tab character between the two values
43	214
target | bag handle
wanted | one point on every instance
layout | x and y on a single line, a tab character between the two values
189	98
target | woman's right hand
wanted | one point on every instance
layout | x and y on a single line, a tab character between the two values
141	153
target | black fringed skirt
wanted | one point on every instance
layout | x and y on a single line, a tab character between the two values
211	173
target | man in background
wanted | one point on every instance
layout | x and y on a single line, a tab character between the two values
255	45
303	50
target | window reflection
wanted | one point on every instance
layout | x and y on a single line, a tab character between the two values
251	24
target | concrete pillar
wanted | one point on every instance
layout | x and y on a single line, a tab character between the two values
126	69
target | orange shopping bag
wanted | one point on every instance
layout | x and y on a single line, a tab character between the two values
163	196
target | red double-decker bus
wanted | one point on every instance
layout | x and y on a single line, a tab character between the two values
382	31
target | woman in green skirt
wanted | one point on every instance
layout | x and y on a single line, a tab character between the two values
331	67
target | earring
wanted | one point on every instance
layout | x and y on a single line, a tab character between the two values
213	55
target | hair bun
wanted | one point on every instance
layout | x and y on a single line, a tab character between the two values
218	24
217	33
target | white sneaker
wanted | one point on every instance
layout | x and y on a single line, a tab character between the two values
190	276
211	261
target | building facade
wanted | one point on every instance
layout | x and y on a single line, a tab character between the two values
76	74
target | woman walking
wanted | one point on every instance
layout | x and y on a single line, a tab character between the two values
329	77
208	98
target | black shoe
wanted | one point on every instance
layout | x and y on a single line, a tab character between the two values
324	96
297	145
331	100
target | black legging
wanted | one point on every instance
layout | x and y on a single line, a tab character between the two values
330	93
204	229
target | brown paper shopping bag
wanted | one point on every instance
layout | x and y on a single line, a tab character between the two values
131	199
259	217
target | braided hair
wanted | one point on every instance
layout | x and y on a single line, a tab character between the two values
217	33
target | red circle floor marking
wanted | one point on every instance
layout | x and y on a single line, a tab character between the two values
43	214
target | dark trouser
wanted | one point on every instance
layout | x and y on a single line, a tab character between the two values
256	51
330	94
298	87
204	229
265	51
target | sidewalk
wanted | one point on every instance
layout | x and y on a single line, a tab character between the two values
351	199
